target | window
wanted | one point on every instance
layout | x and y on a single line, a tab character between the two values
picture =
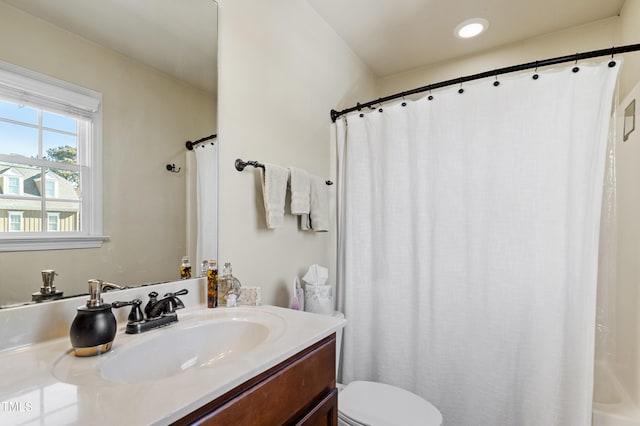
53	221
50	188
15	222
50	158
13	185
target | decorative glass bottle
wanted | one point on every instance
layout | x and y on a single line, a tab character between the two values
204	267
212	285
228	285
185	268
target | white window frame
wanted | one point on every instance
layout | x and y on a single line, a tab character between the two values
27	87
14	213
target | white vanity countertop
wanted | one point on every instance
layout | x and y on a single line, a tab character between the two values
34	391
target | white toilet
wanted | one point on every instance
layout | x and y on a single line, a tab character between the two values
362	403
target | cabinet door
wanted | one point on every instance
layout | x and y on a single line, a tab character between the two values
280	396
323	414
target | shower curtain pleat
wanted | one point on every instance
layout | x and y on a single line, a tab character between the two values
468	246
207	203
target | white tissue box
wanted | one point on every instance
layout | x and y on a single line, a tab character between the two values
318	299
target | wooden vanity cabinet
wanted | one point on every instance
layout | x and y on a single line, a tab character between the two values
299	391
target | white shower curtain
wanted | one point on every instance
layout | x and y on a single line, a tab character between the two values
207	203
468	245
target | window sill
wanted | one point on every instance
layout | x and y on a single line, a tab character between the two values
57	242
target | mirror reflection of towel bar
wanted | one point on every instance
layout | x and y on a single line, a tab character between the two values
240	165
190	145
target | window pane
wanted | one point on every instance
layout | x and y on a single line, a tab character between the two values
21	210
67	183
59	122
19	179
19	140
17	112
59	147
67	215
28	220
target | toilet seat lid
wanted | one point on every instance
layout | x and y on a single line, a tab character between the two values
380	404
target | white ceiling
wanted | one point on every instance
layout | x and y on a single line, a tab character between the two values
392	36
164	34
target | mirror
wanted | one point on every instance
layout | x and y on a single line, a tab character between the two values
154	61
629	123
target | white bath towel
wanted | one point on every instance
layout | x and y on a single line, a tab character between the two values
300	191
274	190
318	218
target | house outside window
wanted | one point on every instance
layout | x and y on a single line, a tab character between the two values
50	162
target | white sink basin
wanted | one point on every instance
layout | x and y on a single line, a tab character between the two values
175	351
205	339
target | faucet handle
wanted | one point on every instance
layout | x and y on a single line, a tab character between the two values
178	293
136	313
175	302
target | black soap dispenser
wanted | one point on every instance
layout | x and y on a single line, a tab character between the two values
94	327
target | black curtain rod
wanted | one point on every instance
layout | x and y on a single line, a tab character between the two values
514	68
190	145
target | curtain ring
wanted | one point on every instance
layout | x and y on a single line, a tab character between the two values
461	90
535	72
404	104
612	63
576	68
496	83
430	97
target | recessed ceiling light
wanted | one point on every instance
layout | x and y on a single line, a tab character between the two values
471	28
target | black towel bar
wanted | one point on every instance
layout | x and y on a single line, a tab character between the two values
240	165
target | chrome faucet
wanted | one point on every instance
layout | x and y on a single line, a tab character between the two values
159	313
48	290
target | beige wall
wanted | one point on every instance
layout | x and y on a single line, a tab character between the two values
281	71
147	118
628	212
597	35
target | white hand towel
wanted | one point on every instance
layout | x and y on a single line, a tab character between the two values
274	190
318	218
300	191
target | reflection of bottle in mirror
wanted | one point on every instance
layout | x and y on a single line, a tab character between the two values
185	268
212	285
